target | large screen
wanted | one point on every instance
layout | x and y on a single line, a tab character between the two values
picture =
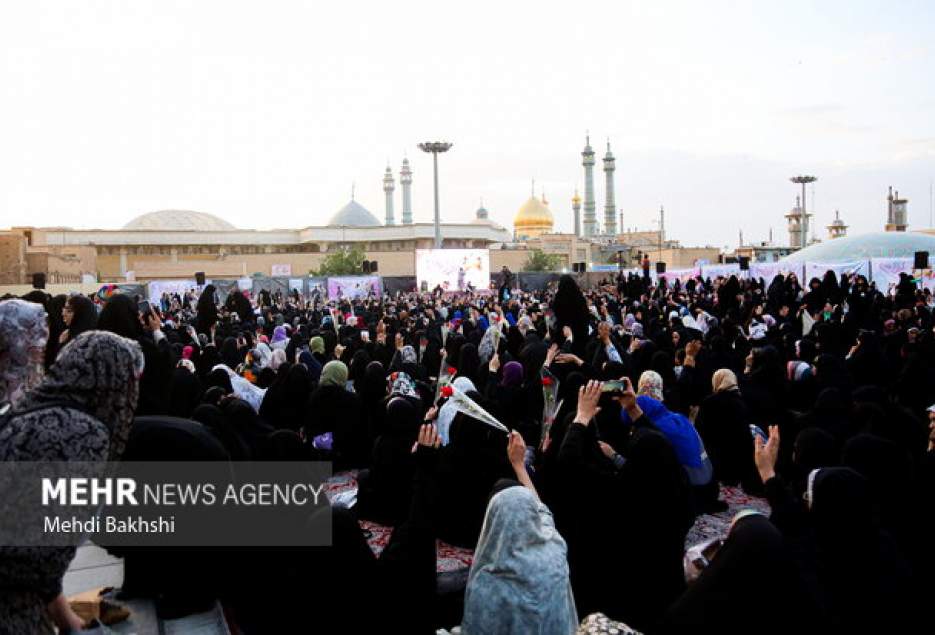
455	270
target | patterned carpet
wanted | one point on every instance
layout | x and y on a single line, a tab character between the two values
343	486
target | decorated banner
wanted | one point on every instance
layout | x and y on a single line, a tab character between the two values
297	284
818	269
721	271
886	270
280	270
683	275
769	270
350	287
245	284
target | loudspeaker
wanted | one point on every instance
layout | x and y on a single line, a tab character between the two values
744	263
38	280
365	266
660	267
373	266
922	260
200	278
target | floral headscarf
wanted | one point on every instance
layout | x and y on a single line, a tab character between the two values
650	385
24	331
99	372
402	384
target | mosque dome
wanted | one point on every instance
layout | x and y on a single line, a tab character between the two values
354	215
534	218
865	246
179	220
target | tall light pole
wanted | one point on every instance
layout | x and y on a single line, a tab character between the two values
435	147
804	180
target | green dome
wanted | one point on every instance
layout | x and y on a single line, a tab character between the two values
864	247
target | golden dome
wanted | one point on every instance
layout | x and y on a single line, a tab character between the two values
534	218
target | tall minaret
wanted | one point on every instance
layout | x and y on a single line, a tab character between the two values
389	184
576	208
405	179
610	207
587	160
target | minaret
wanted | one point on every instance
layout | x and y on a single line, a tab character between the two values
610	206
837	228
389	184
576	208
405	179
587	160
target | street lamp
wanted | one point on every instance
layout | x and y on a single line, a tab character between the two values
804	180
436	147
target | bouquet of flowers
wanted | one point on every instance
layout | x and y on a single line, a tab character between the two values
551	405
445	376
468	406
444	328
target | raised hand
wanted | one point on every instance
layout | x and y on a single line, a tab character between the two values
428	437
588	396
766	454
494	364
516	449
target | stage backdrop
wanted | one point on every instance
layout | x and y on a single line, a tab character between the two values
353	287
453	269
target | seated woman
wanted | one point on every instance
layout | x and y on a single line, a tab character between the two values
519	581
81	411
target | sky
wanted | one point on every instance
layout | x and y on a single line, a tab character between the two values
266	114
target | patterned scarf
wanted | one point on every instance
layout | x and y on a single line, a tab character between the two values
24	332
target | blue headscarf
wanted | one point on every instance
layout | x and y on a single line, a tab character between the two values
677	429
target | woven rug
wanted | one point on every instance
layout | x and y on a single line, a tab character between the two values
452	559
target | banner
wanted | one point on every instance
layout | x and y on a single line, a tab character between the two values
280	270
726	271
683	275
886	270
353	287
818	269
297	284
769	270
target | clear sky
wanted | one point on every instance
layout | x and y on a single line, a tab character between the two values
265	113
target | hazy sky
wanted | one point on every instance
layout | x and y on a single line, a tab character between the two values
264	113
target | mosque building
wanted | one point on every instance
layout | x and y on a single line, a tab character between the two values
533	219
173	244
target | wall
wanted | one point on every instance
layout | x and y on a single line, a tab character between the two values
12	258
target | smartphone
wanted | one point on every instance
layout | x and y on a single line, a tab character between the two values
757	431
616	386
145	308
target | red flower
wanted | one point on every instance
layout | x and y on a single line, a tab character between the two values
546	381
452	370
447	391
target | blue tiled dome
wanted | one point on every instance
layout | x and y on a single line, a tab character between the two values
865	246
354	215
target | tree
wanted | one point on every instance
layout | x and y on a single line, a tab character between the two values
343	262
538	260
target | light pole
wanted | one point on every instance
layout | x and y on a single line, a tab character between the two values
804	180
435	147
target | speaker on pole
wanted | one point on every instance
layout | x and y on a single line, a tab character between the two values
200	278
38	280
660	267
921	260
744	263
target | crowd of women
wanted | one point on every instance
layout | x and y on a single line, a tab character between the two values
629	406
